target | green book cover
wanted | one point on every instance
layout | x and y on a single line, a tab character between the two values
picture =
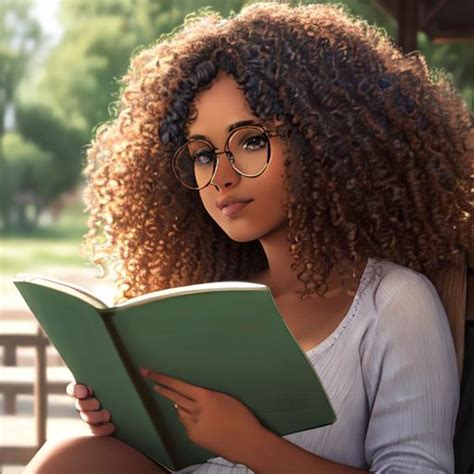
226	336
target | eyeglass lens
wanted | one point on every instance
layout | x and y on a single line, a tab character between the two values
194	164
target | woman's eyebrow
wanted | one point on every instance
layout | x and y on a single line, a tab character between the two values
231	127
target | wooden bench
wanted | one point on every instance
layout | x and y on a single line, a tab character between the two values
37	380
14	334
20	380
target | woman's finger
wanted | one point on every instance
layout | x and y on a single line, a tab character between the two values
183	402
78	390
88	404
105	429
95	417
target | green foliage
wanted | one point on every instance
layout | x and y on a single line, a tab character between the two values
45	246
83	72
28	166
39	124
456	59
78	81
20	36
39	163
24	173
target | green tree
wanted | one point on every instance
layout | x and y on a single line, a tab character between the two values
39	124
20	36
24	182
454	58
82	73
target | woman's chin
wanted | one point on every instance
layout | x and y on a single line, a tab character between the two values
242	236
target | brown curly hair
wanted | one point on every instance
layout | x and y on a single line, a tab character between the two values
375	155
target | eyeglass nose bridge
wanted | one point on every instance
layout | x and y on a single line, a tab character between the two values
228	153
231	159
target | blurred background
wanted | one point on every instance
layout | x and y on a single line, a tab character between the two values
60	64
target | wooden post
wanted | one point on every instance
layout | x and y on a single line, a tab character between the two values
408	22
451	284
39	390
9	351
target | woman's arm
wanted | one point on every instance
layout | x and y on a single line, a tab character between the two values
268	453
411	379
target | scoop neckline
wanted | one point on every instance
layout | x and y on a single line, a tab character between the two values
351	312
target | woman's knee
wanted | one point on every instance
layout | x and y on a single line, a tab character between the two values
91	454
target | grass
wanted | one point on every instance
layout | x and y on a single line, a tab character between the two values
25	255
51	250
53	245
71	225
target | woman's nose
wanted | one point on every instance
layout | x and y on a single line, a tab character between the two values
224	171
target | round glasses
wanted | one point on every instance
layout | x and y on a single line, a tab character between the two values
247	148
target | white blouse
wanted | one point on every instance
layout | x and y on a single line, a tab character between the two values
390	371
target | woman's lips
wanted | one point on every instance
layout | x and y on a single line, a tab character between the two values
233	208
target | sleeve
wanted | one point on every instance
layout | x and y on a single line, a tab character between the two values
412	383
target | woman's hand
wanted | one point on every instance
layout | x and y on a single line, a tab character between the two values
89	410
213	420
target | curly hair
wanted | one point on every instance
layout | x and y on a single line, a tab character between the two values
375	151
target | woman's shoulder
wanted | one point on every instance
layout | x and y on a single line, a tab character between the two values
409	333
398	286
406	311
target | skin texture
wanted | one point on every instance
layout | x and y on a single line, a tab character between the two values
91	455
213	420
223	104
90	410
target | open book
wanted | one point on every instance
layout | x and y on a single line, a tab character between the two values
226	336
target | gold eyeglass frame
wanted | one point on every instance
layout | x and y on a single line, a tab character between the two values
268	132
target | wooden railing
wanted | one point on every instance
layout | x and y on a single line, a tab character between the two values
38	380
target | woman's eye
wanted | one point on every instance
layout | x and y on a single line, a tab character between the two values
202	157
255	143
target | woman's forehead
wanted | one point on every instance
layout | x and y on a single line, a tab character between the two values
219	107
223	94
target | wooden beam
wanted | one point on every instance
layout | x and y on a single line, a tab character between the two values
408	24
430	15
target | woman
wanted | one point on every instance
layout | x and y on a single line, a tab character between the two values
350	158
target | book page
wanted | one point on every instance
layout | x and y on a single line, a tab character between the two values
88	297
64	287
190	289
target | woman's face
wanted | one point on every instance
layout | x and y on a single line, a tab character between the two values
218	108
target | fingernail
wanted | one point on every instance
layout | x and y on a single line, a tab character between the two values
145	371
81	392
